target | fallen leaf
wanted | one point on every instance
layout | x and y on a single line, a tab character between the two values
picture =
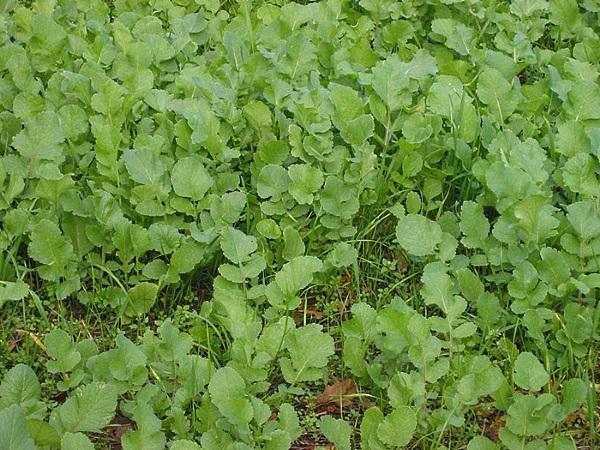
337	394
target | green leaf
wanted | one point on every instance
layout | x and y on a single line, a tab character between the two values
481	443
144	166
272	181
418	235
306	180
228	393
20	386
391	78
474	225
368	429
536	217
471	286
42	139
89	409
187	256
42	433
337	431
529	373
554	268
184	444
293	244
141	298
164	238
446	96
398	427
128	362
343	255
48	245
60	346
289	421
574	394
237	246
13	430
565	14
457	36
529	415
309	350
417	128
76	441
584	217
297	274
527	8
13	291
579	175
148	434
355	126
498	94
339	199
258	114
268	228
190	179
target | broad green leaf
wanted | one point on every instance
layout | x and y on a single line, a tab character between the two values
190	178
184	444
371	420
297	274
141	298
187	256
554	268
527	8
144	166
60	347
164	238
236	245
309	349
76	441
305	181
355	126
13	291
585	219
268	228
228	393
536	217
565	13
418	235
573	396
13	432
529	373
457	36
579	175
272	181
293	244
41	139
258	114
48	245
481	443
339	199
343	255
398	427
20	386
148	434
89	409
474	225
528	415
498	94
337	431
42	433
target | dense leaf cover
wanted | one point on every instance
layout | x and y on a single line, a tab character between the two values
285	153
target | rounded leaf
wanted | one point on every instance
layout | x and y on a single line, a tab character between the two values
190	179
